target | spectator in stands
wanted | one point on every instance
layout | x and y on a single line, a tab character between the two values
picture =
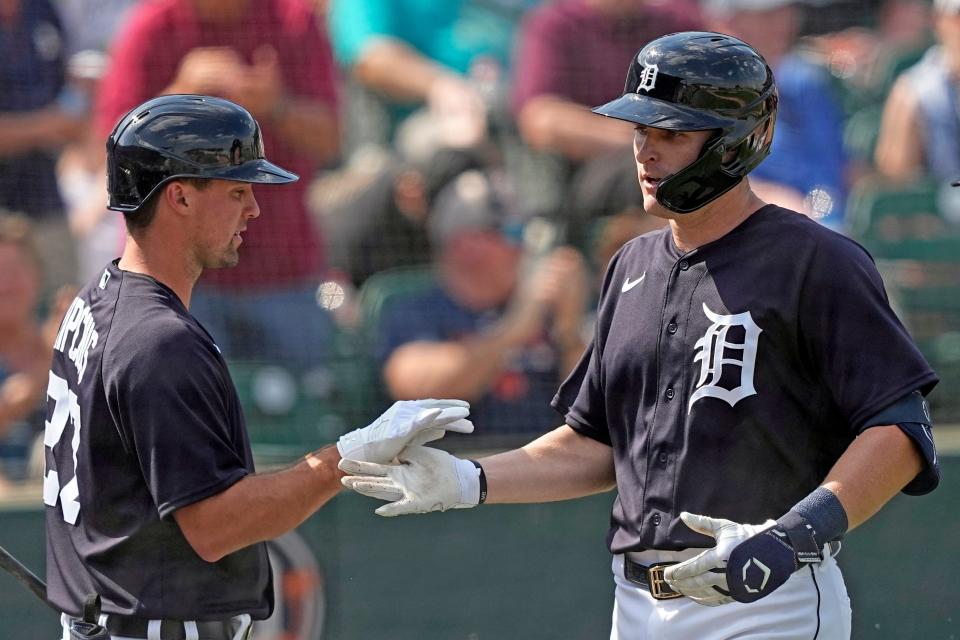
385	224
496	329
807	167
81	176
91	24
556	84
920	130
39	113
400	55
24	348
271	57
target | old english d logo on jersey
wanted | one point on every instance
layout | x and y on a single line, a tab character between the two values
714	352
648	77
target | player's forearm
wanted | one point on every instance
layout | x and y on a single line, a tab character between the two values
873	469
261	506
553	124
559	465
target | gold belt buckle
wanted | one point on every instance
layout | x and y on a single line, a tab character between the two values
659	588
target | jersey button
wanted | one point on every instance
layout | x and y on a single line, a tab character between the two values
655	519
662	457
670	393
684	265
672	328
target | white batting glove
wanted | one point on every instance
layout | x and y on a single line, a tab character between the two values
696	578
407	422
425	480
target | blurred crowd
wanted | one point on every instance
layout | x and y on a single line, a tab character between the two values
458	201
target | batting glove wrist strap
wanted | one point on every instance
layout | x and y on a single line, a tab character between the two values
483	482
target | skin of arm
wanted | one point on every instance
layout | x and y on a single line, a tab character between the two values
308	126
899	152
398	71
559	465
260	506
46	128
552	123
873	469
454	369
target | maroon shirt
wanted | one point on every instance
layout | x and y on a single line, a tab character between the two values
281	247
571	49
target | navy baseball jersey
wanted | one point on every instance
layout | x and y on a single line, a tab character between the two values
142	419
730	379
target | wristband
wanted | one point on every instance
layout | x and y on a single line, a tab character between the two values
483	482
826	516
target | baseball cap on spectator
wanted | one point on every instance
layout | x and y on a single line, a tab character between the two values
474	201
444	165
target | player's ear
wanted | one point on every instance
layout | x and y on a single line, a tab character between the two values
176	197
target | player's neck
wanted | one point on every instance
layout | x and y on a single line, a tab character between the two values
716	219
167	267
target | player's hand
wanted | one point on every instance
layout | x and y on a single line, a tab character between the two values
425	480
704	578
407	422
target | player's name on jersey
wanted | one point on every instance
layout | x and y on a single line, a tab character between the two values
79	333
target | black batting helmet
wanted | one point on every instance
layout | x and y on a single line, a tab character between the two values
698	81
184	136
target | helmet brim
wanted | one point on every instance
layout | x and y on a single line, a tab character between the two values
659	114
258	171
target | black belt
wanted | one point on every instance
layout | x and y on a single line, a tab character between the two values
650	577
171	629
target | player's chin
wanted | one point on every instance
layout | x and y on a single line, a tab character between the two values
229	258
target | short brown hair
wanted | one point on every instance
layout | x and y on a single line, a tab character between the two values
140	219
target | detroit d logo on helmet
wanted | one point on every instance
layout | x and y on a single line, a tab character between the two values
648	77
714	351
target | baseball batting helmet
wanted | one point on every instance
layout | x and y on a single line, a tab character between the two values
698	81
184	136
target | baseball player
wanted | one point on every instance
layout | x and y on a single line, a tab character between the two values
151	497
748	390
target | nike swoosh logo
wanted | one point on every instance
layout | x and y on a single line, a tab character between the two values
627	285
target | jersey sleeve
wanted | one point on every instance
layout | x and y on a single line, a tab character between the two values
857	344
172	402
580	398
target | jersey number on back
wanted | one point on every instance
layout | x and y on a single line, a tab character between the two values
65	409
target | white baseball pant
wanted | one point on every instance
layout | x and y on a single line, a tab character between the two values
812	605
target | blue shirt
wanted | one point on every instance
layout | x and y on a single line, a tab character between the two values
518	400
807	151
32	71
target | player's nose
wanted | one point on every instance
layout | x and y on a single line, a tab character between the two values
252	209
644	151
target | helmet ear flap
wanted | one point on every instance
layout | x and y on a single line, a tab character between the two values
700	182
751	151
